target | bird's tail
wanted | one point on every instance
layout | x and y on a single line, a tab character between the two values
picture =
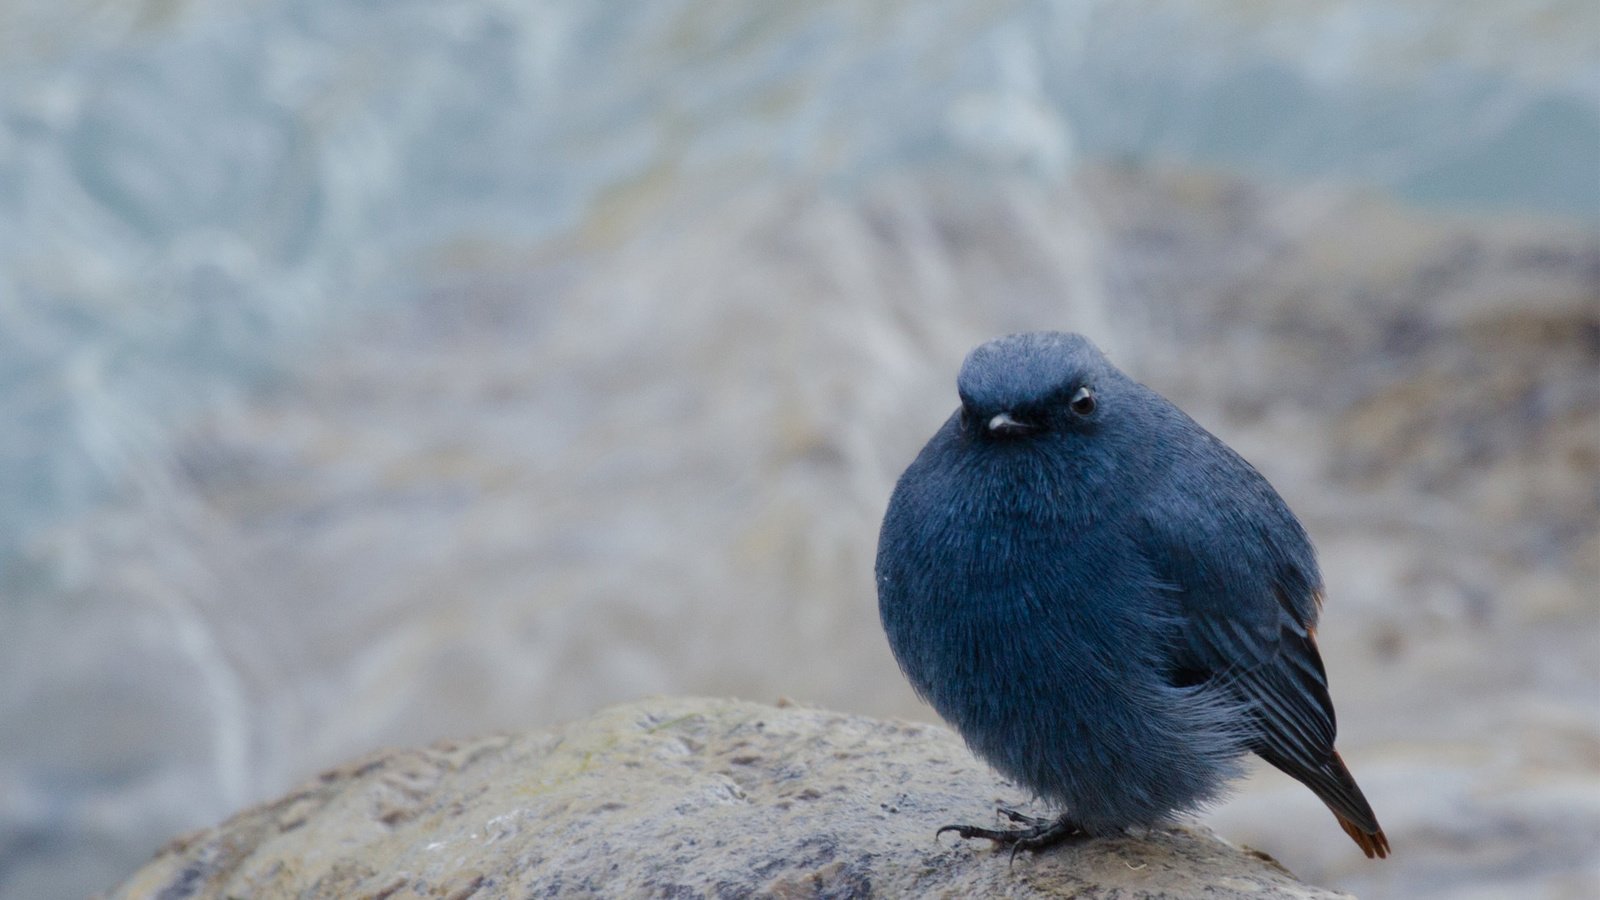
1373	844
1333	784
1338	789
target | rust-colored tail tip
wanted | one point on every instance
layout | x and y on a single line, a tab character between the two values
1373	845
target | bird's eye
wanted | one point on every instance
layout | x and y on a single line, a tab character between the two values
1083	402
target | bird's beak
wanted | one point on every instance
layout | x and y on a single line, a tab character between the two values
1003	423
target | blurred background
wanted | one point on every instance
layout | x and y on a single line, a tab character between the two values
372	373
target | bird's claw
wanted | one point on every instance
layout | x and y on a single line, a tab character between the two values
1039	835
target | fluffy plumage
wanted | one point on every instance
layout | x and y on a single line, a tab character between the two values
1110	605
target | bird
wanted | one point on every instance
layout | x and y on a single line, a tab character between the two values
1111	606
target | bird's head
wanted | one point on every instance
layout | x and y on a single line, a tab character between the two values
1038	383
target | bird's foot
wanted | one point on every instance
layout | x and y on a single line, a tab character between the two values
1038	835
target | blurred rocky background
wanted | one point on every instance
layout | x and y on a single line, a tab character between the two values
378	372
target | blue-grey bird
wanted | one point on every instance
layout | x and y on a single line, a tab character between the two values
1110	605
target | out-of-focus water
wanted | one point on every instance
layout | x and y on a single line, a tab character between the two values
376	371
188	192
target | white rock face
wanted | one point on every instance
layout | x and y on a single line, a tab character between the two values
678	798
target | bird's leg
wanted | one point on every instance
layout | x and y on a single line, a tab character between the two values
1023	818
1038	835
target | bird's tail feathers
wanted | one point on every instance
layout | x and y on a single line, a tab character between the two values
1373	845
1350	807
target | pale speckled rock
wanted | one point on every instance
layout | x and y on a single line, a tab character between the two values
677	798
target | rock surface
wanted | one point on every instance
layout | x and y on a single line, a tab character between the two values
678	798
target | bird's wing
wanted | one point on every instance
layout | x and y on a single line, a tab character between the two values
1248	593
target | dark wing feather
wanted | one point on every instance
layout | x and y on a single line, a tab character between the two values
1288	691
1248	593
1276	668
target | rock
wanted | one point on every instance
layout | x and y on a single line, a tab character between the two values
678	798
